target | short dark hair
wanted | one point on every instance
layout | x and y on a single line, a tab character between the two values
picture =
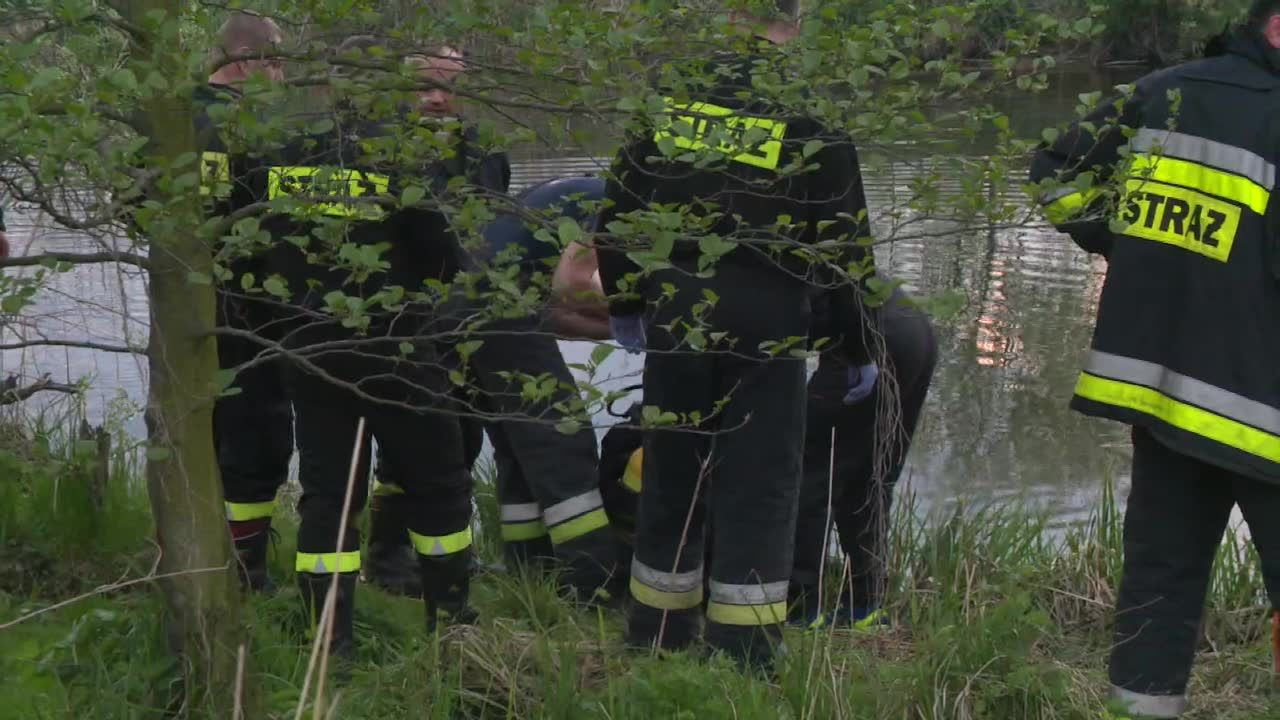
249	30
1262	9
789	8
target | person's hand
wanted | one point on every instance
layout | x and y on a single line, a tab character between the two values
4	246
862	380
628	330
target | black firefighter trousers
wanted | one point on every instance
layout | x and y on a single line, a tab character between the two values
1177	512
741	464
252	428
872	439
404	403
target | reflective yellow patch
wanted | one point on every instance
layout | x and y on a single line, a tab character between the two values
725	614
1194	420
330	182
517	532
703	126
215	174
1180	217
1175	171
663	600
579	526
633	476
240	512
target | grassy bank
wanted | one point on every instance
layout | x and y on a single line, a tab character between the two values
993	619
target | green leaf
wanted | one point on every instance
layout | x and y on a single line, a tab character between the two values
406	348
457	378
601	353
569	231
275	286
468	348
811	148
1050	135
247	281
568	426
412	195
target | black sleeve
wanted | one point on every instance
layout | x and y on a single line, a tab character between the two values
839	219
1072	172
626	190
2	227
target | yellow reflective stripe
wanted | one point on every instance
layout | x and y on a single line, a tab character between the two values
382	489
1209	180
239	512
767	614
325	563
689	126
663	600
633	476
215	170
579	526
1194	420
518	532
436	545
1065	207
283	181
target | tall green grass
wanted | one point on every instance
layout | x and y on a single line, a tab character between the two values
994	617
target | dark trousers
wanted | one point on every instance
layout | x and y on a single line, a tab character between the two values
253	428
1177	511
872	439
421	444
546	478
740	464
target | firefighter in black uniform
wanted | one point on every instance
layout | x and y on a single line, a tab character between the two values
872	437
340	191
550	505
1177	195
752	401
550	501
253	427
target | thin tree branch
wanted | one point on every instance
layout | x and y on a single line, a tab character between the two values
122	349
11	394
125	258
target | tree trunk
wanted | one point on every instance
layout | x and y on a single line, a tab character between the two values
200	588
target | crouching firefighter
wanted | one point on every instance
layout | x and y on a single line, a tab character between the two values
352	338
1178	197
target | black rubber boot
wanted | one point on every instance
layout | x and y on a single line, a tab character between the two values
314	590
533	556
670	630
753	647
391	563
252	539
446	585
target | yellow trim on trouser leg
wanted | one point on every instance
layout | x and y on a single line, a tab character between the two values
326	563
633	475
437	545
768	614
242	512
663	600
519	532
579	526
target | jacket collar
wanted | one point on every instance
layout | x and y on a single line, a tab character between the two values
1249	43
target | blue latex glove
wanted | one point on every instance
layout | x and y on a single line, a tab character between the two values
628	330
862	380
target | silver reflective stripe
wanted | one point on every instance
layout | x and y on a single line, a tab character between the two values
665	581
1187	389
523	512
1156	706
1053	197
756	594
572	508
1206	152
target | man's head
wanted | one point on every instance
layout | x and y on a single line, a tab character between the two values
442	66
1265	15
775	20
246	34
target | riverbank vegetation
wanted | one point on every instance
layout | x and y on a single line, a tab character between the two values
996	616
